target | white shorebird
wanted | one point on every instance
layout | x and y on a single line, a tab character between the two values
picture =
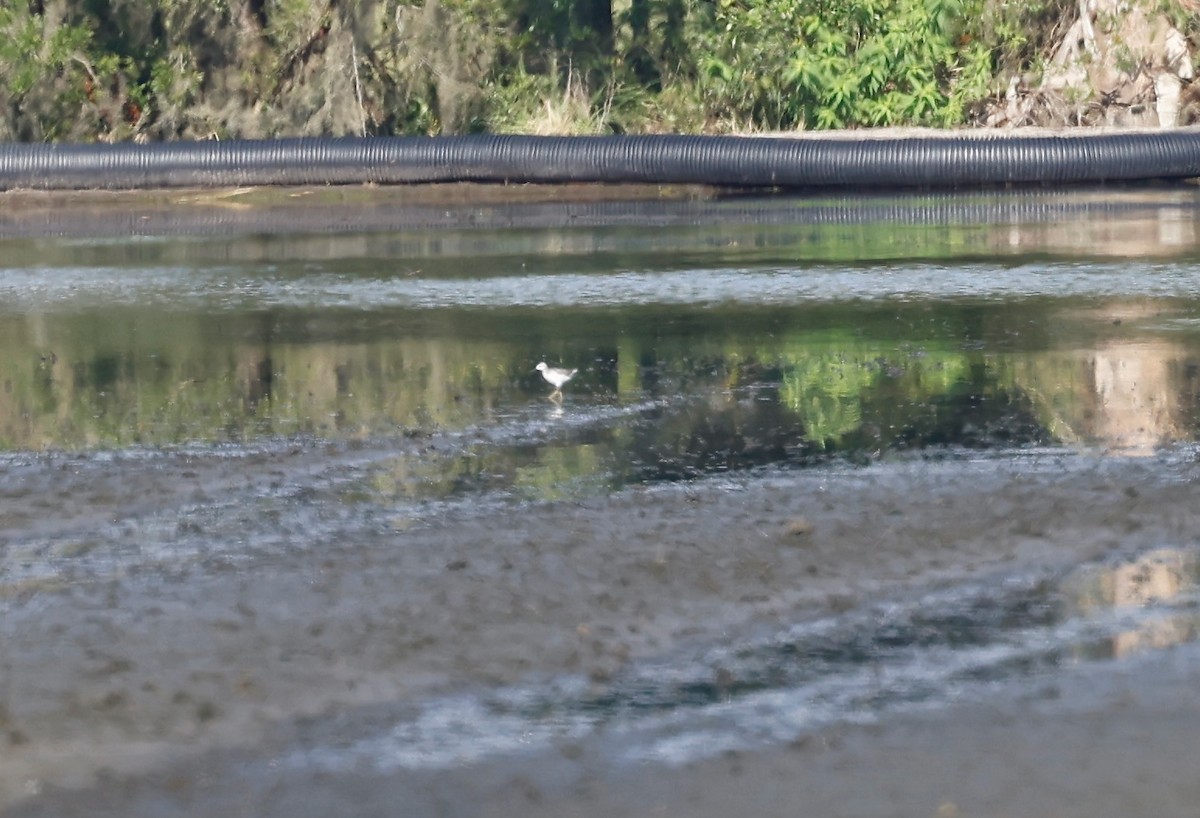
555	377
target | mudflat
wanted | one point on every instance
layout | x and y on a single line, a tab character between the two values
169	649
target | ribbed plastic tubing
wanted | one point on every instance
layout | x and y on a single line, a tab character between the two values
922	162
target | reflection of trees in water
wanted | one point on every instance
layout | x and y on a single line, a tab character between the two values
1131	393
1136	407
829	384
1158	577
1164	231
810	396
757	393
182	378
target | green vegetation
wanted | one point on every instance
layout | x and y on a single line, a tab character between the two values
848	62
165	69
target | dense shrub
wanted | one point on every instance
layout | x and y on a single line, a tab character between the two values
164	69
838	63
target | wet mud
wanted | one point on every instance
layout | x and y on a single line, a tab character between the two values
133	681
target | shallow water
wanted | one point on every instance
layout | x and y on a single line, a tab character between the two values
738	338
702	347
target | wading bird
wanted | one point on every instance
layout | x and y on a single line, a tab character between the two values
555	377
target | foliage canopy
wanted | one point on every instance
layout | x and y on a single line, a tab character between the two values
165	69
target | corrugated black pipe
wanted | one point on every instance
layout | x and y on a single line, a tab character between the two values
942	161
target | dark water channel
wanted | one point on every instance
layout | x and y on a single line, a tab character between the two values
719	338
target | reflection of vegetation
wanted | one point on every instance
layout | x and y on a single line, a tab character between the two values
1159	579
533	472
663	235
84	382
825	388
558	472
776	384
826	380
1060	391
